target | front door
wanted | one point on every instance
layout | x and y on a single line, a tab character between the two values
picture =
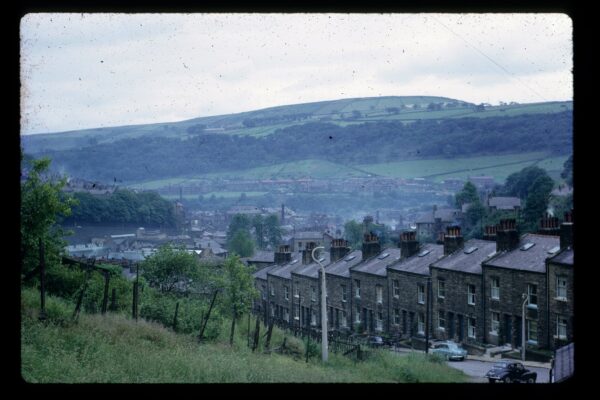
451	329
507	329
460	328
518	331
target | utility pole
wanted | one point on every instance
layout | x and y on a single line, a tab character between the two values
525	300
427	315
324	349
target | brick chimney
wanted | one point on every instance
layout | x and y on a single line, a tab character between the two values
566	231
440	238
283	254
307	253
339	248
490	233
549	225
507	236
453	240
371	246
409	245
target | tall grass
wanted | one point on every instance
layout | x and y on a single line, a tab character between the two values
113	348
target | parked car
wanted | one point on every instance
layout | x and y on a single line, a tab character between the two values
375	341
509	372
449	349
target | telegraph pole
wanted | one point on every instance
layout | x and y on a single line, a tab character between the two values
324	330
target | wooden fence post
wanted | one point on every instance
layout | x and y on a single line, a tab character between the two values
105	297
113	300
256	333
175	317
207	315
42	316
269	332
80	298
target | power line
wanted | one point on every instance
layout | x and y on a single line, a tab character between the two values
491	60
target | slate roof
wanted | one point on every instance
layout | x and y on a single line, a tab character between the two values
564	257
285	270
342	267
262	256
447	215
262	273
377	266
419	265
533	260
469	263
504	203
312	270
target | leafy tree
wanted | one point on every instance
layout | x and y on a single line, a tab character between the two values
353	232
241	244
41	205
475	216
519	183
258	222
171	267
468	194
537	201
239	290
273	230
567	173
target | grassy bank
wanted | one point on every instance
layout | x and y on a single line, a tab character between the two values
114	348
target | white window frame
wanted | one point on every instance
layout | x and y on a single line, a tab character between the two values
286	292
357	315
357	288
313	293
420	324
296	291
471	295
344	294
471	327
560	325
286	314
344	319
531	286
441	288
272	309
495	325
272	289
313	318
396	316
530	330
264	292
396	287
420	293
379	322
297	312
495	290
379	294
561	288
441	320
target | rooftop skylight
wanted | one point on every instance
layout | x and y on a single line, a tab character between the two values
350	258
384	255
527	246
554	250
424	253
470	250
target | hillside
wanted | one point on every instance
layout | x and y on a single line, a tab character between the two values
268	121
115	349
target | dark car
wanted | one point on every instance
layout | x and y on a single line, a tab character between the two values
375	341
509	372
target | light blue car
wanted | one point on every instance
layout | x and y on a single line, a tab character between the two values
449	350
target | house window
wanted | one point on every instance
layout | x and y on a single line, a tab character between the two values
297	312
561	327
421	324
264	292
379	322
357	288
421	293
495	288
379	293
313	318
495	323
344	293
299	245
286	314
313	293
471	294
532	292
272	309
532	332
396	285
441	288
357	315
471	328
272	290
296	291
396	316
286	292
344	321
441	320
561	288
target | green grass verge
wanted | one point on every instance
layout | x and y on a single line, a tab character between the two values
116	349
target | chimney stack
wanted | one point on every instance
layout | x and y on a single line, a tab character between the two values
339	248
453	240
507	236
409	245
490	233
283	255
307	253
440	238
566	231
371	246
549	225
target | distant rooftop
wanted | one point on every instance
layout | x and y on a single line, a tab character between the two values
377	265
342	266
470	263
504	203
419	263
531	254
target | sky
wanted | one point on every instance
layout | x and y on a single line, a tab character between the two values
81	71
